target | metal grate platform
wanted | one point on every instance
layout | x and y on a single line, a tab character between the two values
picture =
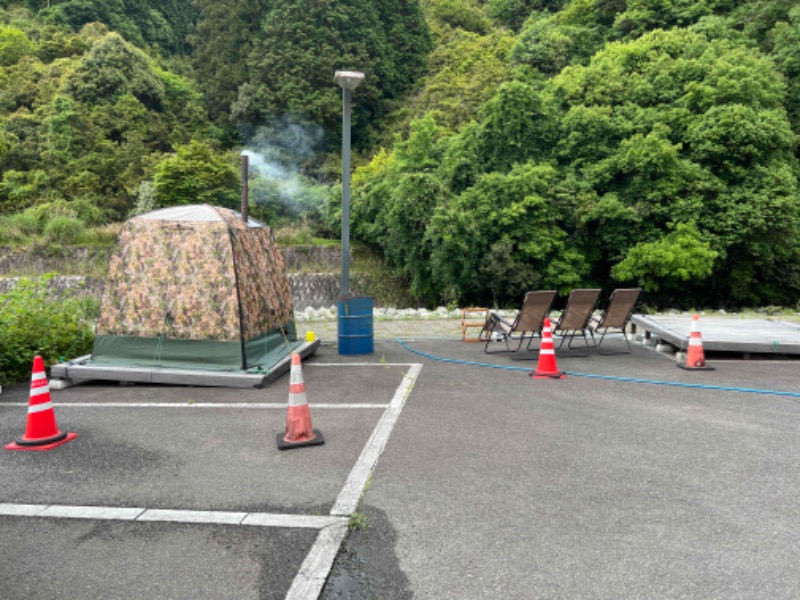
82	369
748	336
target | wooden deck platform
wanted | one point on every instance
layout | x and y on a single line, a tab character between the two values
719	334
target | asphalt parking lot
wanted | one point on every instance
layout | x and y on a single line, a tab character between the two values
466	481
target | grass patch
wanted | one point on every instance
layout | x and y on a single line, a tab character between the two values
358	522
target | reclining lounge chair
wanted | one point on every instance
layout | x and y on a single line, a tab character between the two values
528	323
620	309
576	316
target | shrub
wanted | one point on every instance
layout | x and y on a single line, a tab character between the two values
25	223
47	211
9	233
34	321
89	211
680	256
63	230
105	235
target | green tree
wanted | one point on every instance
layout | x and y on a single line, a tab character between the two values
302	44
549	46
406	244
517	125
163	24
223	38
461	163
757	18
111	68
54	42
786	52
19	84
375	185
14	44
641	16
468	15
464	71
676	258
674	128
98	120
196	174
513	13
506	221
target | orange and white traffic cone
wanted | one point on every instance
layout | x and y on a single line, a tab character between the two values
695	358
546	368
41	431
299	431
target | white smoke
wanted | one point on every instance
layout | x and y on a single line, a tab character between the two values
277	155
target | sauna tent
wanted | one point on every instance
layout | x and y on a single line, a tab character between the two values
195	287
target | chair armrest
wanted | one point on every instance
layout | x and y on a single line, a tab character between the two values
501	322
596	321
497	323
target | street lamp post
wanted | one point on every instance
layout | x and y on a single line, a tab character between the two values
348	81
356	334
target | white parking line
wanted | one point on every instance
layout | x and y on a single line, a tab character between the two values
22	510
304	521
260	405
314	571
347	502
193	516
113	513
206	517
372	364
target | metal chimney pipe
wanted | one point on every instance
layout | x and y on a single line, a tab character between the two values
245	176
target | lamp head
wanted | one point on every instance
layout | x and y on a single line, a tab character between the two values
348	80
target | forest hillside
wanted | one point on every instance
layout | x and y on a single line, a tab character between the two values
500	146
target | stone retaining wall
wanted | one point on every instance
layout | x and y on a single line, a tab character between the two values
47	260
63	284
315	290
318	259
318	290
313	271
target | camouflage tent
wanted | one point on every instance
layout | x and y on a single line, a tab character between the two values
195	287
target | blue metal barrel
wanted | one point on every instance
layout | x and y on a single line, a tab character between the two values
356	335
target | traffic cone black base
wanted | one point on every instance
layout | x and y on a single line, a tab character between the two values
317	440
688	368
45	444
556	375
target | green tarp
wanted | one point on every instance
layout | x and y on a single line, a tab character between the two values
261	353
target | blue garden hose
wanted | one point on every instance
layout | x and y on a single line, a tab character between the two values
701	386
